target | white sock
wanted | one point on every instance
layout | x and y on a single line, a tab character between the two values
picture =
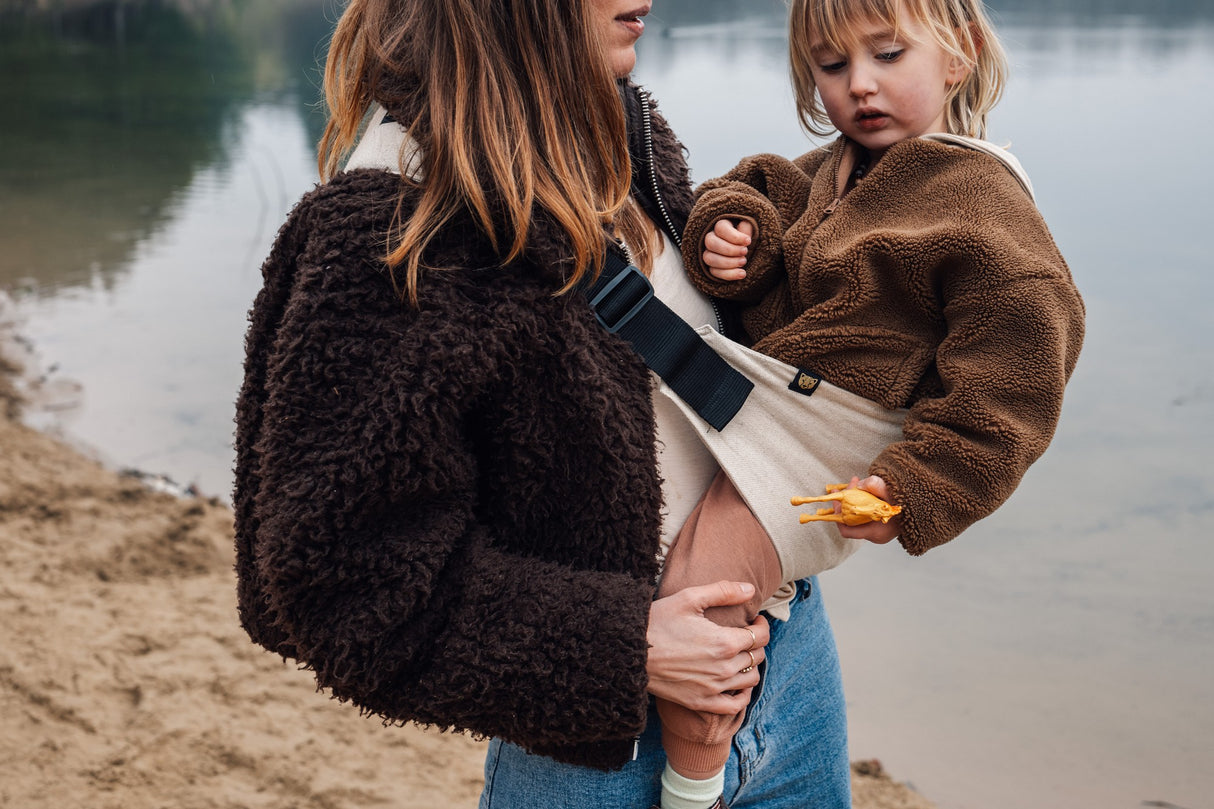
679	792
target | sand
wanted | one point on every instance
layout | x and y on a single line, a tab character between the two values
126	681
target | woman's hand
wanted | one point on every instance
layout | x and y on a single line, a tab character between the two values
695	662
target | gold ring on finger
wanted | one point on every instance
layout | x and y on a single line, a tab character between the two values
753	640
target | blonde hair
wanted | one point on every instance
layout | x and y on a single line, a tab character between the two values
514	107
960	27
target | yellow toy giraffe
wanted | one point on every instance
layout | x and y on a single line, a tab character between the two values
857	506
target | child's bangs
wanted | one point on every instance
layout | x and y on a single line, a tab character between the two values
834	22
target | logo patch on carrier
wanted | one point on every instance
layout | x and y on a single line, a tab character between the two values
805	382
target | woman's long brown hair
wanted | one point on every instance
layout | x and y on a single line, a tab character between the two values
514	108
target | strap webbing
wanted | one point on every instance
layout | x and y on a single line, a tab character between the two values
623	301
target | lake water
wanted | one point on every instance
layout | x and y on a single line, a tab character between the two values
1060	654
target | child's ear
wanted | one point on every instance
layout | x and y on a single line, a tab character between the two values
959	68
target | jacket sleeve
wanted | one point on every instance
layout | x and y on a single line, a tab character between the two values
770	192
370	557
1014	327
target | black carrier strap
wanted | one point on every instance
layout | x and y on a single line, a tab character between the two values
623	301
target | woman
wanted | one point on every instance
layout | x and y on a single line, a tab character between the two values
448	496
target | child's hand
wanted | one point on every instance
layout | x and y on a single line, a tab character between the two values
725	249
876	532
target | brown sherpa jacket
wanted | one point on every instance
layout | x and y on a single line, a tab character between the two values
933	284
451	512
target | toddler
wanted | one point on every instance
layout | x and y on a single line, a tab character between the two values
904	263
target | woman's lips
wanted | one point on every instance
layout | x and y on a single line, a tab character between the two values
632	20
635	25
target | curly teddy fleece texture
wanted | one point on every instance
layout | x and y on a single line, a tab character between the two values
450	513
933	285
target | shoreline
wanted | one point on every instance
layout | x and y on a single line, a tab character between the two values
126	680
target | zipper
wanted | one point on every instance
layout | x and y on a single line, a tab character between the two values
624	249
838	161
647	131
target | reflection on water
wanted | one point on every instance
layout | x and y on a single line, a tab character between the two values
1057	655
1041	13
117	110
1097	13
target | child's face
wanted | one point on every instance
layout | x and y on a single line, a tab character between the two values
887	87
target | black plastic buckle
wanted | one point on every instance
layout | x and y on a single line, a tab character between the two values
639	292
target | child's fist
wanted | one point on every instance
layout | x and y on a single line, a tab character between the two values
725	248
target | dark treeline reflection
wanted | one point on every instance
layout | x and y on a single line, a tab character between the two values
112	108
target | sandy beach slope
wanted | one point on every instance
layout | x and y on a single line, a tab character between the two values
126	681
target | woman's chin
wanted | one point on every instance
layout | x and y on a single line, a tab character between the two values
623	61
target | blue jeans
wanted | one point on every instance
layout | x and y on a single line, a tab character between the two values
790	753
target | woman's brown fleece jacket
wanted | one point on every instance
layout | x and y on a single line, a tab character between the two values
933	285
